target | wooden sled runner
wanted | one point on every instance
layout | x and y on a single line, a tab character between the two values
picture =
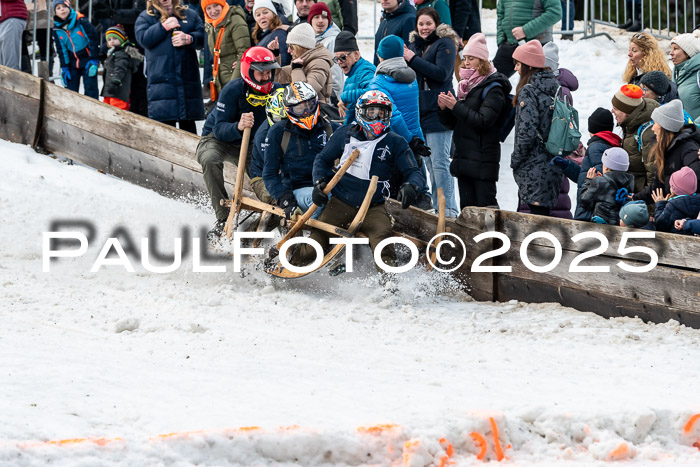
337	250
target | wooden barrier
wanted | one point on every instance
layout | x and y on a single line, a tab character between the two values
161	158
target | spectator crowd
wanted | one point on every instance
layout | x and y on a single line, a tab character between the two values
296	84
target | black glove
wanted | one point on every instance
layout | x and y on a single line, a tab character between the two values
419	148
407	195
318	196
289	203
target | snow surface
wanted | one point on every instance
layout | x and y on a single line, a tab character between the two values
141	368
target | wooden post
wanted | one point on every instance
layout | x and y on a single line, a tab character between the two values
233	215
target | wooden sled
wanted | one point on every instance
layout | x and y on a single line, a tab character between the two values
337	250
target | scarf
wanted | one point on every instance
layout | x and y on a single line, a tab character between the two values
470	79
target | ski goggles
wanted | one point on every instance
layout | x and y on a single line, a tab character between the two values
256	100
303	109
375	113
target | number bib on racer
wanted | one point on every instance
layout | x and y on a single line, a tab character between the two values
360	168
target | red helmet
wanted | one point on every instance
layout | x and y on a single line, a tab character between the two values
258	59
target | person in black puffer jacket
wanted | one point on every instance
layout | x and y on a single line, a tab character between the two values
476	118
431	54
604	194
676	146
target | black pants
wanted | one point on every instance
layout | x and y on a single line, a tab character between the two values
185	125
503	61
473	192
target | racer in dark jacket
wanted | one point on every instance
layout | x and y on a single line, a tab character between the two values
275	112
241	105
381	153
292	146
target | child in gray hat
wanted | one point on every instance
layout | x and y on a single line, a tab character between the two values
603	194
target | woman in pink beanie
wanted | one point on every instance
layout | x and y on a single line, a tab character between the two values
538	181
476	117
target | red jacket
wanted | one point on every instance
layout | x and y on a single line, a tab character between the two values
12	9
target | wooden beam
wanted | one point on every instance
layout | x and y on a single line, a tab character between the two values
19	106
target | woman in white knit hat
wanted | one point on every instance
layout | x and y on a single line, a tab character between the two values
269	31
311	62
686	71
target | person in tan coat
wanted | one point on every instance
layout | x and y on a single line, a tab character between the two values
311	62
226	27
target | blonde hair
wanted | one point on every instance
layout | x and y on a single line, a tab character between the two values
154	5
275	22
298	50
484	67
652	57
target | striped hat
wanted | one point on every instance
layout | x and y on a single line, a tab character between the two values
628	98
118	32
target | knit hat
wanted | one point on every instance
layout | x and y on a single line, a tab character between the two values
319	8
670	116
656	81
628	98
687	42
551	56
684	181
118	32
389	47
600	120
302	35
634	214
264	4
476	47
530	54
61	2
616	159
345	42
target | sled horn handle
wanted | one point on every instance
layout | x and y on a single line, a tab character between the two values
232	221
309	212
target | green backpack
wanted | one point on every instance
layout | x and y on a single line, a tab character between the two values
564	135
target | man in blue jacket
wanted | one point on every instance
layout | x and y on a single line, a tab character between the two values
358	73
241	105
292	146
381	153
398	18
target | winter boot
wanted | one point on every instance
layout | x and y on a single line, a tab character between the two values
424	202
637	23
628	23
217	232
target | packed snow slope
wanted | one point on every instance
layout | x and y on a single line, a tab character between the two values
192	368
112	359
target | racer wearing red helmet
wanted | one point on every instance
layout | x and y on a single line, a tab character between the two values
241	105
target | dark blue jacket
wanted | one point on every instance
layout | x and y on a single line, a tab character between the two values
465	18
678	207
391	153
257	160
284	172
692	226
223	120
76	41
400	23
597	145
281	35
398	81
174	87
434	64
356	83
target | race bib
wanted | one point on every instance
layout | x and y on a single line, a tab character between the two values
360	168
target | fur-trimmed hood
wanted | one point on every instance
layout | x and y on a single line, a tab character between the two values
443	30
